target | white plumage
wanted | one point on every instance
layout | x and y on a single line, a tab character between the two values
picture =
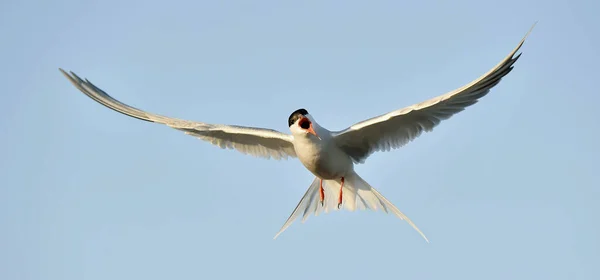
330	156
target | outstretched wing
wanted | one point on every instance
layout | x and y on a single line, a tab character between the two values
395	129
260	142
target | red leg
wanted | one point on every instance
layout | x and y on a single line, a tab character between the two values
340	197
322	193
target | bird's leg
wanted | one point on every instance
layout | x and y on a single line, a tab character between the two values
322	193
340	197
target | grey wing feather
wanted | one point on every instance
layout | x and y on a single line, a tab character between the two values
397	128
260	142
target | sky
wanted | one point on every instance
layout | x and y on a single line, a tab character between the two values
507	189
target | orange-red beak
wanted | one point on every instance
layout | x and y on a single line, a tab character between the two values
312	131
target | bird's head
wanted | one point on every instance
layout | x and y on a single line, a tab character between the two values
301	123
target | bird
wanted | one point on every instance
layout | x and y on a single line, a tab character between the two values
329	155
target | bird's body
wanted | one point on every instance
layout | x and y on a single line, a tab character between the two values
322	157
329	155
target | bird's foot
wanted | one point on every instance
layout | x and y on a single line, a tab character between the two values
340	196
322	193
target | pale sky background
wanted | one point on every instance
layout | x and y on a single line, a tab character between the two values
507	189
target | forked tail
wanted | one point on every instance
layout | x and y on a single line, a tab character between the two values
357	194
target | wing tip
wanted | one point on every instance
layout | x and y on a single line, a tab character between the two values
65	73
531	29
523	40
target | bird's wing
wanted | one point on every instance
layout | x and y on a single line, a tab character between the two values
395	129
260	142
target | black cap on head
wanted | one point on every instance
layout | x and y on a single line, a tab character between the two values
296	115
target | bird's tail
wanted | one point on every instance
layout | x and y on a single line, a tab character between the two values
356	194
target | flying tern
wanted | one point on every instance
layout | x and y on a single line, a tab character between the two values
329	155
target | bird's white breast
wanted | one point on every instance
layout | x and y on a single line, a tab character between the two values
322	157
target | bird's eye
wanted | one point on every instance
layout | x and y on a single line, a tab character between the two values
304	123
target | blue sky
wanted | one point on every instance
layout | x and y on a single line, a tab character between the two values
507	189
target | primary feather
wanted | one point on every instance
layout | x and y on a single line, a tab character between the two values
260	142
397	128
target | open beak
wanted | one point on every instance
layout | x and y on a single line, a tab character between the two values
312	131
310	128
